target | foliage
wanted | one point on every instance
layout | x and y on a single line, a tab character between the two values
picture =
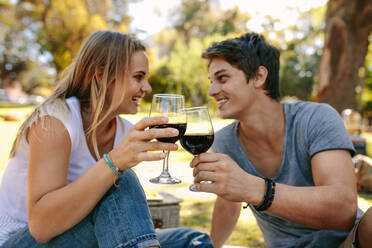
199	18
366	80
196	24
184	72
36	78
49	31
36	32
62	25
14	41
300	55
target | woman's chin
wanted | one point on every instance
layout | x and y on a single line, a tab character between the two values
129	110
132	111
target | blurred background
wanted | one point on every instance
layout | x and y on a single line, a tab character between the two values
326	56
325	52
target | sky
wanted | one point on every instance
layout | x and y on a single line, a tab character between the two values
151	16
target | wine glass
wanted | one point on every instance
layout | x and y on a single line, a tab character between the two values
172	106
199	134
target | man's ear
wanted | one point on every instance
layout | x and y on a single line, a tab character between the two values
260	77
99	74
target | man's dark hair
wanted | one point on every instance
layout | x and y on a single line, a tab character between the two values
247	53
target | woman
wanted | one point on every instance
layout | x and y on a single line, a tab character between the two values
74	154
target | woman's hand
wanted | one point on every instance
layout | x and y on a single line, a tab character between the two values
135	146
229	181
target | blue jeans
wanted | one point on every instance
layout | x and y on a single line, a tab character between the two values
121	219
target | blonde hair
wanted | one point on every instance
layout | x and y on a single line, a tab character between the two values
110	51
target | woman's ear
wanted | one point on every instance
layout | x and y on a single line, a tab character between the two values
260	77
99	74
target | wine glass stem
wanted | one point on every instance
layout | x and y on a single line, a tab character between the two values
165	164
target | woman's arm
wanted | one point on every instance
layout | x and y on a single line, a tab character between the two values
54	206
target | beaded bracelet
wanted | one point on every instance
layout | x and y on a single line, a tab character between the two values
268	197
108	162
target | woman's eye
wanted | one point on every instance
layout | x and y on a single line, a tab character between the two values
138	77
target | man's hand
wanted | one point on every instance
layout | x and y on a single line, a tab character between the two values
228	180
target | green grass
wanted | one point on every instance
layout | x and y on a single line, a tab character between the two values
367	198
194	212
197	214
368	137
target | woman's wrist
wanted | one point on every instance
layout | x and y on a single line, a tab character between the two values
110	163
113	158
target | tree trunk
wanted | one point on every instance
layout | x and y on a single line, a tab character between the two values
348	25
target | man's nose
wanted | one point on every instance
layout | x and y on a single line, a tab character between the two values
213	90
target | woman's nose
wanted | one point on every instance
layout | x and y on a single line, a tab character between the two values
146	87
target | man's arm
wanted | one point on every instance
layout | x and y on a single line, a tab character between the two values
330	204
225	216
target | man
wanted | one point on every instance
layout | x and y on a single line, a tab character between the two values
290	162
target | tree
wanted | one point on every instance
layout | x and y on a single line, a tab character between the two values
365	98
199	18
348	25
196	23
14	46
61	25
300	47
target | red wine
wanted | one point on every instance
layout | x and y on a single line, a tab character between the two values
197	143
181	127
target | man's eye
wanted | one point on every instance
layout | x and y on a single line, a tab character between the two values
221	78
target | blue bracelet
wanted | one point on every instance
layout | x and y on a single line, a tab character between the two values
108	162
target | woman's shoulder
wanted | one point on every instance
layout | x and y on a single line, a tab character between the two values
67	112
62	109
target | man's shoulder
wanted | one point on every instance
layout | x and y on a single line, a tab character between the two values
225	138
307	110
307	106
227	130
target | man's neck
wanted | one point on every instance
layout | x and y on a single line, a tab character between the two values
261	137
266	122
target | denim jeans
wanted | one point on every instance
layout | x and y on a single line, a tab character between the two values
121	219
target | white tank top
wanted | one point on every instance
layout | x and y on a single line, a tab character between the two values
13	209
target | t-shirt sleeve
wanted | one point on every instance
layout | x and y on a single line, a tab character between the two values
214	148
68	118
326	131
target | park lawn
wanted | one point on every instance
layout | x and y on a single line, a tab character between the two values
195	211
197	214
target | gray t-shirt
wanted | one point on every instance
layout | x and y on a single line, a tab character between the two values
309	128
